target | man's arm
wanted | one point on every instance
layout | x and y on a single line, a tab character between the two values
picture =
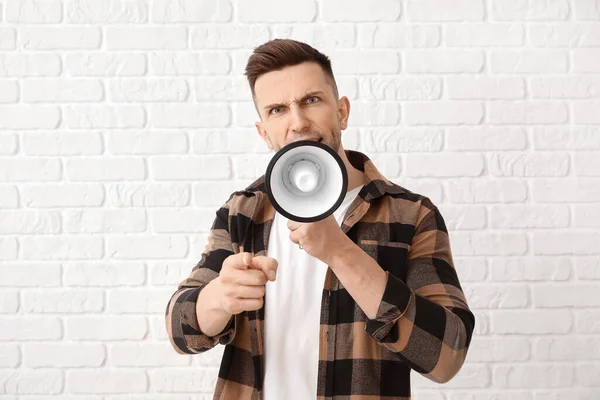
194	323
431	299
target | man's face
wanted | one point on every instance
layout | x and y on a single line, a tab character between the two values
297	103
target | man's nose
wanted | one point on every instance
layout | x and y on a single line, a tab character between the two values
299	121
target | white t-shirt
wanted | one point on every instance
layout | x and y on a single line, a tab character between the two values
292	314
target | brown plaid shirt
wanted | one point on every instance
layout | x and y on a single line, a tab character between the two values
423	321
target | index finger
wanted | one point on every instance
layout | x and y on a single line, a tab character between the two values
267	264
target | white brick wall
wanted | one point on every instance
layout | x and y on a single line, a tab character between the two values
124	124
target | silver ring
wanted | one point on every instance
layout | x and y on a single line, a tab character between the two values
301	248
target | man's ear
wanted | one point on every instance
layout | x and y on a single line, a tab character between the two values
343	112
262	132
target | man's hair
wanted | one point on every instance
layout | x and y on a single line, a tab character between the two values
276	54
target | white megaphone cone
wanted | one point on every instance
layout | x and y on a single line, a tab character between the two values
306	181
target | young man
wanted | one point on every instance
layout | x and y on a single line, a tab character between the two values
372	294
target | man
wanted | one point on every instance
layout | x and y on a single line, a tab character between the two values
371	294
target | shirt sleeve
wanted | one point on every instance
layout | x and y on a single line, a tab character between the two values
180	317
425	320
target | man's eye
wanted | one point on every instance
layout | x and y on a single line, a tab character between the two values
313	98
275	110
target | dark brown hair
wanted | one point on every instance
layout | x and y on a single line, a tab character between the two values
279	53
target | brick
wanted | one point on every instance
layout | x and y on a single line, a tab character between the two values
586	112
147	355
393	88
8	39
138	301
470	269
526	112
34	12
188	63
474	87
531	10
531	322
529	164
221	88
8	143
104	221
147	38
388	164
323	36
105	327
190	116
443	61
32	382
179	380
587	374
532	376
9	249
25	328
558	295
106	64
342	11
29	222
106	169
566	190
62	301
13	65
524	217
488	244
444	165
404	141
573	242
249	166
375	114
149	195
234	140
587	164
398	35
486	191
443	113
192	11
10	356
105	274
499	349
586	10
25	117
182	220
26	274
586	216
463	218
530	269
587	321
586	268
486	138
484	34
148	90
62	90
9	304
169	273
271	11
106	381
30	170
191	168
529	62
147	142
63	355
223	36
445	10
565	35
9	93
62	143
566	138
365	62
148	247
576	87
112	12
63	195
60	38
9	197
62	248
99	117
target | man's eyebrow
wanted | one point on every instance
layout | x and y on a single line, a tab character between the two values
309	94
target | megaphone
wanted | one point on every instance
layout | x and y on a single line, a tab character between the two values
306	181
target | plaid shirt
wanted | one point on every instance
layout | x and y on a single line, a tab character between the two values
423	321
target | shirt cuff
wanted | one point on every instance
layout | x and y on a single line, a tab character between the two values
396	298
